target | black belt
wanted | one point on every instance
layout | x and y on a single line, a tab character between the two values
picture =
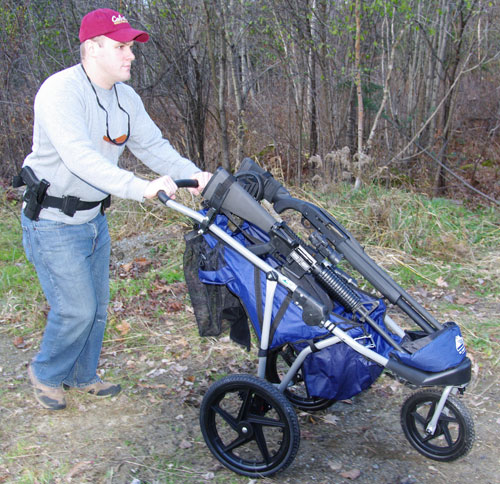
70	204
36	197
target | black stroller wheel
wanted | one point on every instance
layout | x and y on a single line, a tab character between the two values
249	425
278	363
454	433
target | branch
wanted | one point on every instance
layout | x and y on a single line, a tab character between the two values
442	165
386	90
418	133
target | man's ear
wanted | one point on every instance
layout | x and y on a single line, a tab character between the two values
91	47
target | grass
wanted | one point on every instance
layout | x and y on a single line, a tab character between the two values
42	475
16	276
436	244
419	241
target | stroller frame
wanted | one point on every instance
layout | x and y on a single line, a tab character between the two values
453	380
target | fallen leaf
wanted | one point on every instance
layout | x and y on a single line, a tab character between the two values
123	328
156	372
352	474
19	342
440	282
152	387
127	267
185	444
78	469
142	262
174	306
335	465
307	435
331	419
464	300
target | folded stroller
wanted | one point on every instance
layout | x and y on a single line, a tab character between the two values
321	337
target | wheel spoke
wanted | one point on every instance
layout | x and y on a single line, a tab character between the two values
261	443
433	436
418	418
298	377
247	401
448	419
446	433
265	421
238	442
278	363
430	413
226	416
288	356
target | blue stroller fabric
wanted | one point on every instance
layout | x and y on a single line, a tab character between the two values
434	352
334	372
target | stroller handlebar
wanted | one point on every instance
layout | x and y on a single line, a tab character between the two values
187	183
184	183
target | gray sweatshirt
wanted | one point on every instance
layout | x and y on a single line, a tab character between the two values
69	150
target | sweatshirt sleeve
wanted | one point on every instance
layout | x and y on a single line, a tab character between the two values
61	114
148	144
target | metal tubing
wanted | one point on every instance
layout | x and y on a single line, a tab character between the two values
221	234
431	427
365	316
271	283
393	326
359	348
300	359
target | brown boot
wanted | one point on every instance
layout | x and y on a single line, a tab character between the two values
99	389
48	397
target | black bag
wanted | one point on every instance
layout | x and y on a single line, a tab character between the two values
213	305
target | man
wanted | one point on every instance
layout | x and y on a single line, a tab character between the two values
84	118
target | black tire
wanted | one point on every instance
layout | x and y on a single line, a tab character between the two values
249	426
279	361
454	433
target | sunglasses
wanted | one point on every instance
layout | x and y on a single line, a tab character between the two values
120	140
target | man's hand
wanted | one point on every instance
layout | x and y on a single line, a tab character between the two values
164	183
203	178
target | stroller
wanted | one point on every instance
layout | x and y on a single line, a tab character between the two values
321	337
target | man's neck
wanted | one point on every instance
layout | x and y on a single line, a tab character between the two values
95	77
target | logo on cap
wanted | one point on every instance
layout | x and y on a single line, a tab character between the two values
119	20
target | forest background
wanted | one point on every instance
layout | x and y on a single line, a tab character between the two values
406	92
379	93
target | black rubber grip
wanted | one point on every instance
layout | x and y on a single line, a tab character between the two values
185	183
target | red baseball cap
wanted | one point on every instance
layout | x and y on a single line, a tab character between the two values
110	23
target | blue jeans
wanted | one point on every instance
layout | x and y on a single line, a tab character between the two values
72	263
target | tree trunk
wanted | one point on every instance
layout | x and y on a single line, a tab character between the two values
359	92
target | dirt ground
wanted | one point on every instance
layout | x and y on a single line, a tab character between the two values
150	432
